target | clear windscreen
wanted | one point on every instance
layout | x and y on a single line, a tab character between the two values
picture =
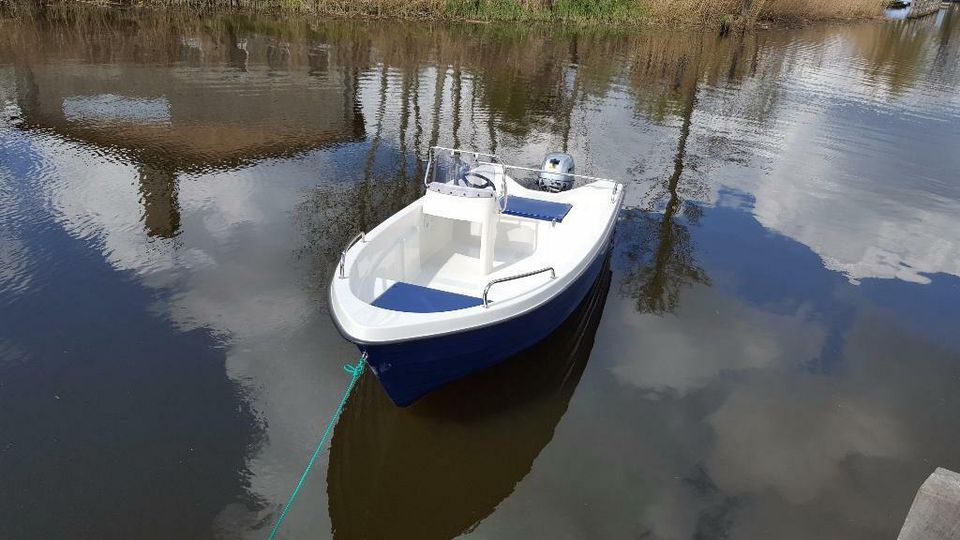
451	167
462	169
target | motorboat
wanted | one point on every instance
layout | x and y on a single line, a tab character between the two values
456	432
473	272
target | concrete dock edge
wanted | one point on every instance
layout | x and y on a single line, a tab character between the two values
935	512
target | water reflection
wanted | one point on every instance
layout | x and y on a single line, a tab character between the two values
479	435
172	121
777	357
659	256
102	398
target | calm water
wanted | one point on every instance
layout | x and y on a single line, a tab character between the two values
774	352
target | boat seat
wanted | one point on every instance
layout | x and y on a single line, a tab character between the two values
536	209
417	299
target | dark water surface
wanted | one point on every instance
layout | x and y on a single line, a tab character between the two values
774	353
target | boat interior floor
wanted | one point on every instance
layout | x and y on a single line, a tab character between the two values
451	276
449	279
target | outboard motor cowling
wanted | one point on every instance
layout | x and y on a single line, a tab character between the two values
554	163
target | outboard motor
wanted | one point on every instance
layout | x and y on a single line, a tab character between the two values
561	163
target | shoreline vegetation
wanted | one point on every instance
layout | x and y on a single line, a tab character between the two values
716	13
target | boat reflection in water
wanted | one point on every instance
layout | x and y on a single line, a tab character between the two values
477	436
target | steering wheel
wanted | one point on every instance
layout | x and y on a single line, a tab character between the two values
484	183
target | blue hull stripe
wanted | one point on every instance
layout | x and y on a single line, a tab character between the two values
409	369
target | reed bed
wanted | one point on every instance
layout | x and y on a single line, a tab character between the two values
615	12
706	11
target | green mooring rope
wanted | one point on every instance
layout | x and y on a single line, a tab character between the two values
355	372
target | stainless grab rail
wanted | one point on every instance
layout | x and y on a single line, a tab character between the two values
343	254
530	169
486	303
502	199
616	189
463	151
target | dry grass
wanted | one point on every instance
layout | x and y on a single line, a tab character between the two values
715	11
819	9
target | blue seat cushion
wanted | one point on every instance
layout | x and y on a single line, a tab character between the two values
536	209
416	299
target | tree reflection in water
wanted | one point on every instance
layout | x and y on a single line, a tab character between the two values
657	247
349	109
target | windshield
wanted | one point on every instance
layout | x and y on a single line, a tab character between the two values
461	168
